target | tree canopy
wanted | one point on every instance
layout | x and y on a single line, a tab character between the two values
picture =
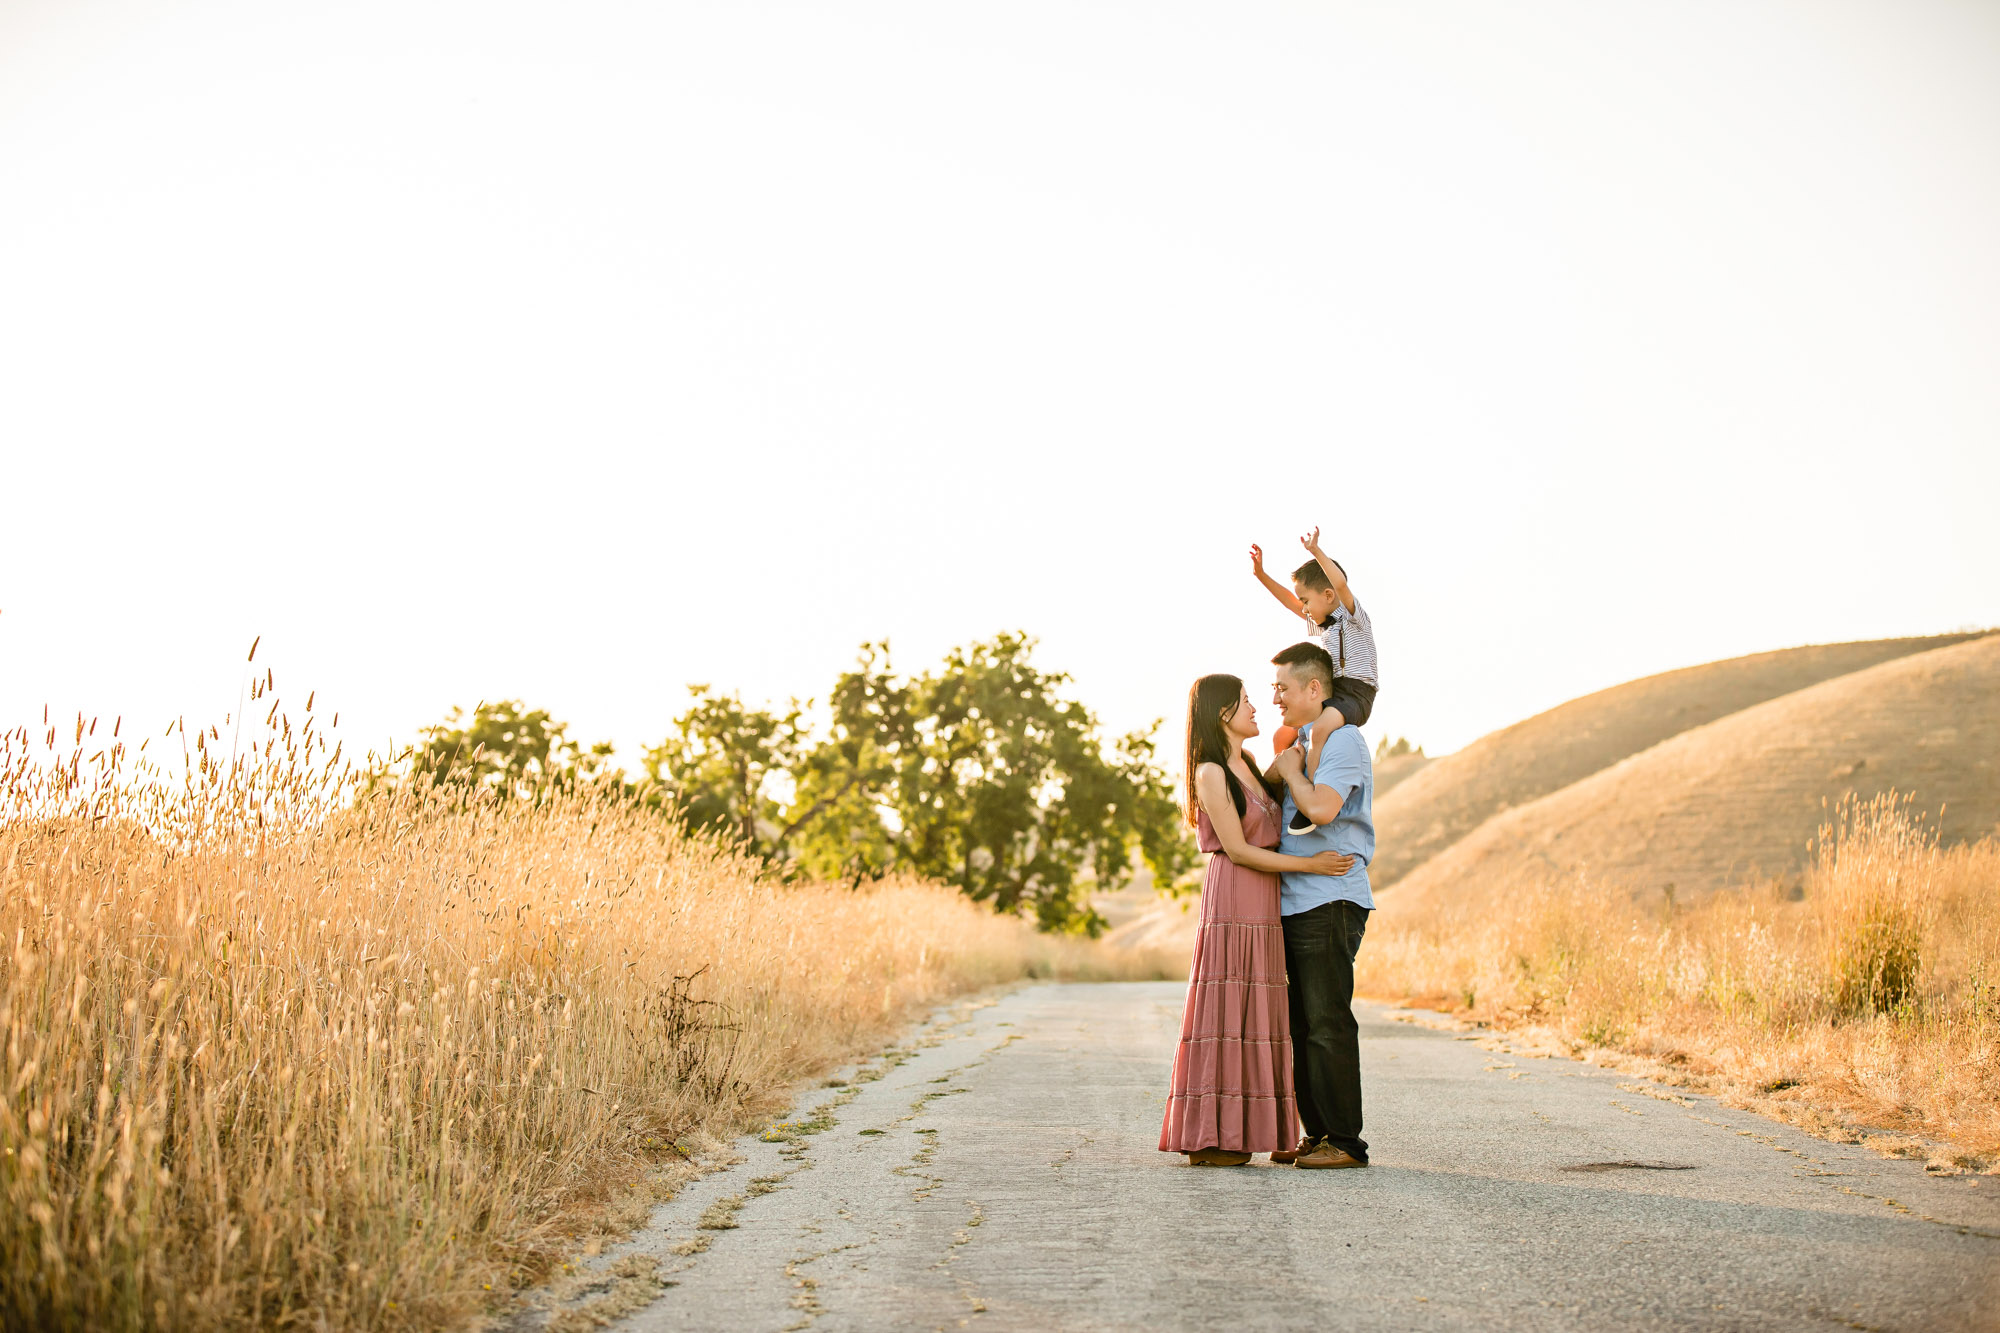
506	748
981	773
724	767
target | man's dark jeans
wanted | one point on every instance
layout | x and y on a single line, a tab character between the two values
1320	946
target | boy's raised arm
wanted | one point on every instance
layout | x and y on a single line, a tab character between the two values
1331	570
1276	589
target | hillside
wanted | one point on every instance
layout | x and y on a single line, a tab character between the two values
1393	771
1744	794
1449	798
1166	924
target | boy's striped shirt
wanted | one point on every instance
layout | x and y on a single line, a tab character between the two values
1350	641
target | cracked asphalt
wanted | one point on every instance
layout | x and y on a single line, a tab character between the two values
998	1172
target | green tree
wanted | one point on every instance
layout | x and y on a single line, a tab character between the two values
844	805
983	774
725	766
507	748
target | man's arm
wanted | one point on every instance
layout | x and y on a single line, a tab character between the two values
1342	768
1276	589
1318	802
1328	568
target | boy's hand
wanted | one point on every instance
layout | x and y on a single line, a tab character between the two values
1256	560
1311	543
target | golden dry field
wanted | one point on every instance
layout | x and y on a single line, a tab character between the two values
1516	765
275	1055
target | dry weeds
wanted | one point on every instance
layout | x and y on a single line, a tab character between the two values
1863	1002
274	1056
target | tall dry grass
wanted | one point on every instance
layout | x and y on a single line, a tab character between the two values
1865	993
276	1058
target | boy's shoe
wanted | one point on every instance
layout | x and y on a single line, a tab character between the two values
1217	1157
1286	1156
1326	1157
1300	824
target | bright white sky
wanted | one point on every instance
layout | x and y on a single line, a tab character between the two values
577	351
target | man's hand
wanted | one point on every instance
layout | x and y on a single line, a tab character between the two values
1311	543
1290	762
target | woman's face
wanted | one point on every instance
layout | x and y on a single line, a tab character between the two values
1242	722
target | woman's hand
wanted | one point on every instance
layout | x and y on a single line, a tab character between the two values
1332	863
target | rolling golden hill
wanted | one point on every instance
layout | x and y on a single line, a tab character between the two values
1743	795
1395	770
1450	797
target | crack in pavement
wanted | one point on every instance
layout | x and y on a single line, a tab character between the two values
959	1240
807	1299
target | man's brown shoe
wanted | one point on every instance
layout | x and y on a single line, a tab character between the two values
1286	1156
1326	1157
1217	1157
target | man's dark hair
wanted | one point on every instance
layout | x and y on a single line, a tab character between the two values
1312	661
1314	577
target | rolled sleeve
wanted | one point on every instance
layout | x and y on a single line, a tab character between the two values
1341	766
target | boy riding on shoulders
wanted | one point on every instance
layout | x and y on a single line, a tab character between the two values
1321	596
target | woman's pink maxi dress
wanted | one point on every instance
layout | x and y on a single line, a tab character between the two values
1232	1083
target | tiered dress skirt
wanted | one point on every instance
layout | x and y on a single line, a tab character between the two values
1232	1079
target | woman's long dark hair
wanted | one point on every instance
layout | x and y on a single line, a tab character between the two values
1212	699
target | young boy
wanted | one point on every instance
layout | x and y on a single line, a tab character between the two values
1320	594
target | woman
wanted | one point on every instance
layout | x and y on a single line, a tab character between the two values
1231	1094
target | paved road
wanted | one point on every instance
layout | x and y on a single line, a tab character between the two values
1001	1174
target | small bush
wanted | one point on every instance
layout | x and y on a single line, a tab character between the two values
1878	960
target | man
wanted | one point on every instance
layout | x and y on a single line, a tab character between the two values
1324	915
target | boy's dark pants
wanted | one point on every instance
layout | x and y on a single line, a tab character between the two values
1320	946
